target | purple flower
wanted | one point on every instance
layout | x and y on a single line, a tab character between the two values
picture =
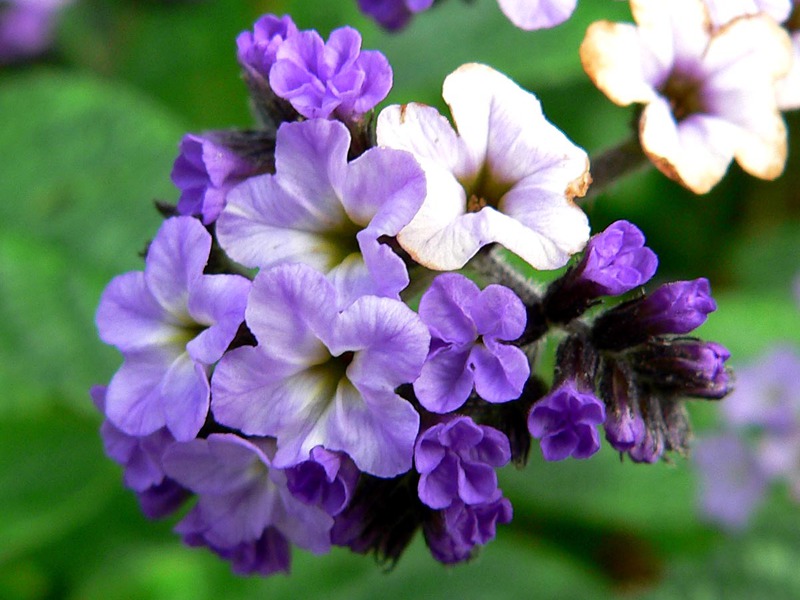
393	14
171	323
205	171
674	308
453	534
327	479
565	421
26	28
731	482
320	210
323	377
240	497
456	461
689	367
141	457
468	327
322	79
767	393
257	50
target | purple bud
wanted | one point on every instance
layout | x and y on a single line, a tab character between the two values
624	425
269	554
565	421
674	308
162	500
456	461
256	50
205	171
615	262
649	449
327	479
453	533
689	367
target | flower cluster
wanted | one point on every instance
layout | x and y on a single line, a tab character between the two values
759	440
275	374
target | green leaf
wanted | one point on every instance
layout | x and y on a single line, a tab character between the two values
81	170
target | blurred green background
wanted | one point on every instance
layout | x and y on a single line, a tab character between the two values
87	140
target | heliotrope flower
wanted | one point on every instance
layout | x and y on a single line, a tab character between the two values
708	93
171	323
243	503
468	330
323	377
321	79
320	210
506	176
456	461
565	422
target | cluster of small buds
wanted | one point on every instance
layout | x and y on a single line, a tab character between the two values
274	372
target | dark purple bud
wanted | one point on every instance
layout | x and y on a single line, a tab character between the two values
565	422
674	308
688	367
453	533
615	262
393	14
327	479
456	460
624	425
649	449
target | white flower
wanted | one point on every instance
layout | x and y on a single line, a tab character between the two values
507	176
709	93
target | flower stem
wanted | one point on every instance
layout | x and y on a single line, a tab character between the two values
615	163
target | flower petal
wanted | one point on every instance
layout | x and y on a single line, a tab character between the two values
537	14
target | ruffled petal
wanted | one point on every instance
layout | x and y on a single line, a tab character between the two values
537	14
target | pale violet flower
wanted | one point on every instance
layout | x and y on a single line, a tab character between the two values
788	88
320	377
507	175
321	210
537	14
708	93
